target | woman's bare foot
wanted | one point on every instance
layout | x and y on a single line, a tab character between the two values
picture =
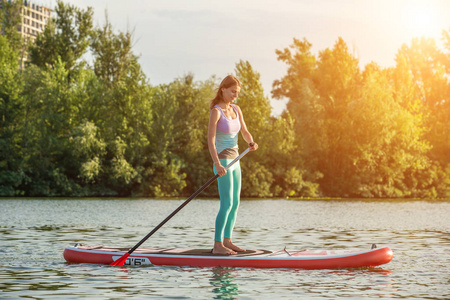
219	248
229	244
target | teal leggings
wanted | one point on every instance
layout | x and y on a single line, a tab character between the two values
230	193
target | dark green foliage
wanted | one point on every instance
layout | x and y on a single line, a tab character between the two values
9	21
11	110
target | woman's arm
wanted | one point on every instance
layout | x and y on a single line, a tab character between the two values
214	117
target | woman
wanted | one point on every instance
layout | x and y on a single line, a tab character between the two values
225	122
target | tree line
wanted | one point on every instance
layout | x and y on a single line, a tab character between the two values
69	127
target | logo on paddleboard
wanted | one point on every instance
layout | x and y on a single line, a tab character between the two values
135	261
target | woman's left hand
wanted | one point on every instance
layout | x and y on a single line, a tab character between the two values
253	146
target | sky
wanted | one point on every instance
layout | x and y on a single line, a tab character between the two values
208	37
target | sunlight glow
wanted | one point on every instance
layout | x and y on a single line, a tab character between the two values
420	18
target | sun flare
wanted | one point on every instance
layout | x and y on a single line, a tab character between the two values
420	18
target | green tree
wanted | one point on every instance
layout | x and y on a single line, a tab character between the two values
303	106
51	114
124	114
11	108
365	132
190	129
426	65
67	36
10	19
421	79
389	139
337	81
252	100
319	92
270	171
256	110
167	178
113	53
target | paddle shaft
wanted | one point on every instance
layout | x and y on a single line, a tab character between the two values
186	202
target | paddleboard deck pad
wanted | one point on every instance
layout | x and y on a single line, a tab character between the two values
298	259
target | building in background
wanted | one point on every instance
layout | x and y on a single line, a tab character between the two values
34	18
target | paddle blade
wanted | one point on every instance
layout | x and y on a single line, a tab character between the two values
121	261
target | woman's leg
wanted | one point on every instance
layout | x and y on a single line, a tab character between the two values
225	184
236	195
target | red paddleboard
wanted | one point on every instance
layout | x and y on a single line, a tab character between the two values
298	259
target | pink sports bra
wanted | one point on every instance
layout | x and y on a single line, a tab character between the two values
227	125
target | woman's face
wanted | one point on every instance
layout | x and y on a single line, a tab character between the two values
230	94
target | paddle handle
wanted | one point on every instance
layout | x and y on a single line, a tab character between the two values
186	202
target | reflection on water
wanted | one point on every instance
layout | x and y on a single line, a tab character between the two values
222	281
33	234
376	282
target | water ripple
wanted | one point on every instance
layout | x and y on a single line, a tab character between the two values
33	234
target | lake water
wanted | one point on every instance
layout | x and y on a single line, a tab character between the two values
34	233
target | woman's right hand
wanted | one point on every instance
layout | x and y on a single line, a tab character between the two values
220	170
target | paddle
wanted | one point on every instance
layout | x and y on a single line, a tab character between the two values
121	261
